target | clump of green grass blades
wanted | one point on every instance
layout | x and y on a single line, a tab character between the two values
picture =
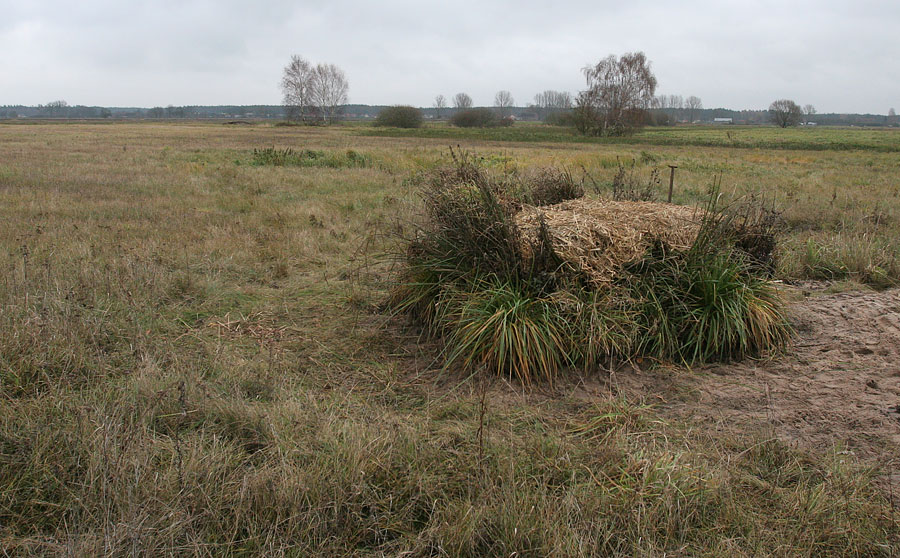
704	305
499	326
289	157
515	310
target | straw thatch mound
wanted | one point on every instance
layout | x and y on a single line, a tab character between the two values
516	287
598	236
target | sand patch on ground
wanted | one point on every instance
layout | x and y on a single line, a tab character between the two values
837	386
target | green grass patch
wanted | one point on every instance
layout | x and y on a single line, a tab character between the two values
857	257
288	157
746	137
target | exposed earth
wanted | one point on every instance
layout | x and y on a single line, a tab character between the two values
838	385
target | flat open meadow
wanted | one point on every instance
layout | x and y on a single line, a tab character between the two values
196	359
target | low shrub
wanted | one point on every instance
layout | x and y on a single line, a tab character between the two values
627	186
475	118
401	116
548	186
560	118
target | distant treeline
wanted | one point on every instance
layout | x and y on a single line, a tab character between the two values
62	110
674	116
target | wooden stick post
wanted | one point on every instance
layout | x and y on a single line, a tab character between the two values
672	181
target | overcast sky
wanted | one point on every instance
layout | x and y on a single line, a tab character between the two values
841	56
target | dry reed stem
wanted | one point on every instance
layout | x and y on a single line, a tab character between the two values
250	325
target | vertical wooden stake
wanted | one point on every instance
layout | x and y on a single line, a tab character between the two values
672	181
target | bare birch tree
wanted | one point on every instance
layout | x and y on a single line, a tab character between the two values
440	103
809	111
503	100
693	103
313	92
618	95
462	101
329	90
296	88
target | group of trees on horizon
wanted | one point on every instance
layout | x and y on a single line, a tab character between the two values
620	96
529	112
60	109
313	93
785	112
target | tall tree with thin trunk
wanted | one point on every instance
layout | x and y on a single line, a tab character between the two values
693	103
329	90
676	103
462	101
504	101
440	103
296	83
313	92
810	111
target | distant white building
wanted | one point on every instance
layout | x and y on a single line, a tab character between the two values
723	121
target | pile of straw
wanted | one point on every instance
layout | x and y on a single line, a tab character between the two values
598	236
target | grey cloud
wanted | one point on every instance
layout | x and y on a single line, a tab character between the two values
836	55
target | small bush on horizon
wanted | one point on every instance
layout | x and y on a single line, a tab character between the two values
560	118
475	118
400	116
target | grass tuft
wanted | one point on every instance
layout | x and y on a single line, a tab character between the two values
500	327
857	257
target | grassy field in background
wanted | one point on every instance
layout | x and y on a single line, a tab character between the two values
193	361
886	140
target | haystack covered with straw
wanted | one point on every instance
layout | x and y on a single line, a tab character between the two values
597	236
526	276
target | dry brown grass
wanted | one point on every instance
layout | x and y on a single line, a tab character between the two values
187	369
599	236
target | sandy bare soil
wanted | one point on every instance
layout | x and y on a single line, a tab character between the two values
838	385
